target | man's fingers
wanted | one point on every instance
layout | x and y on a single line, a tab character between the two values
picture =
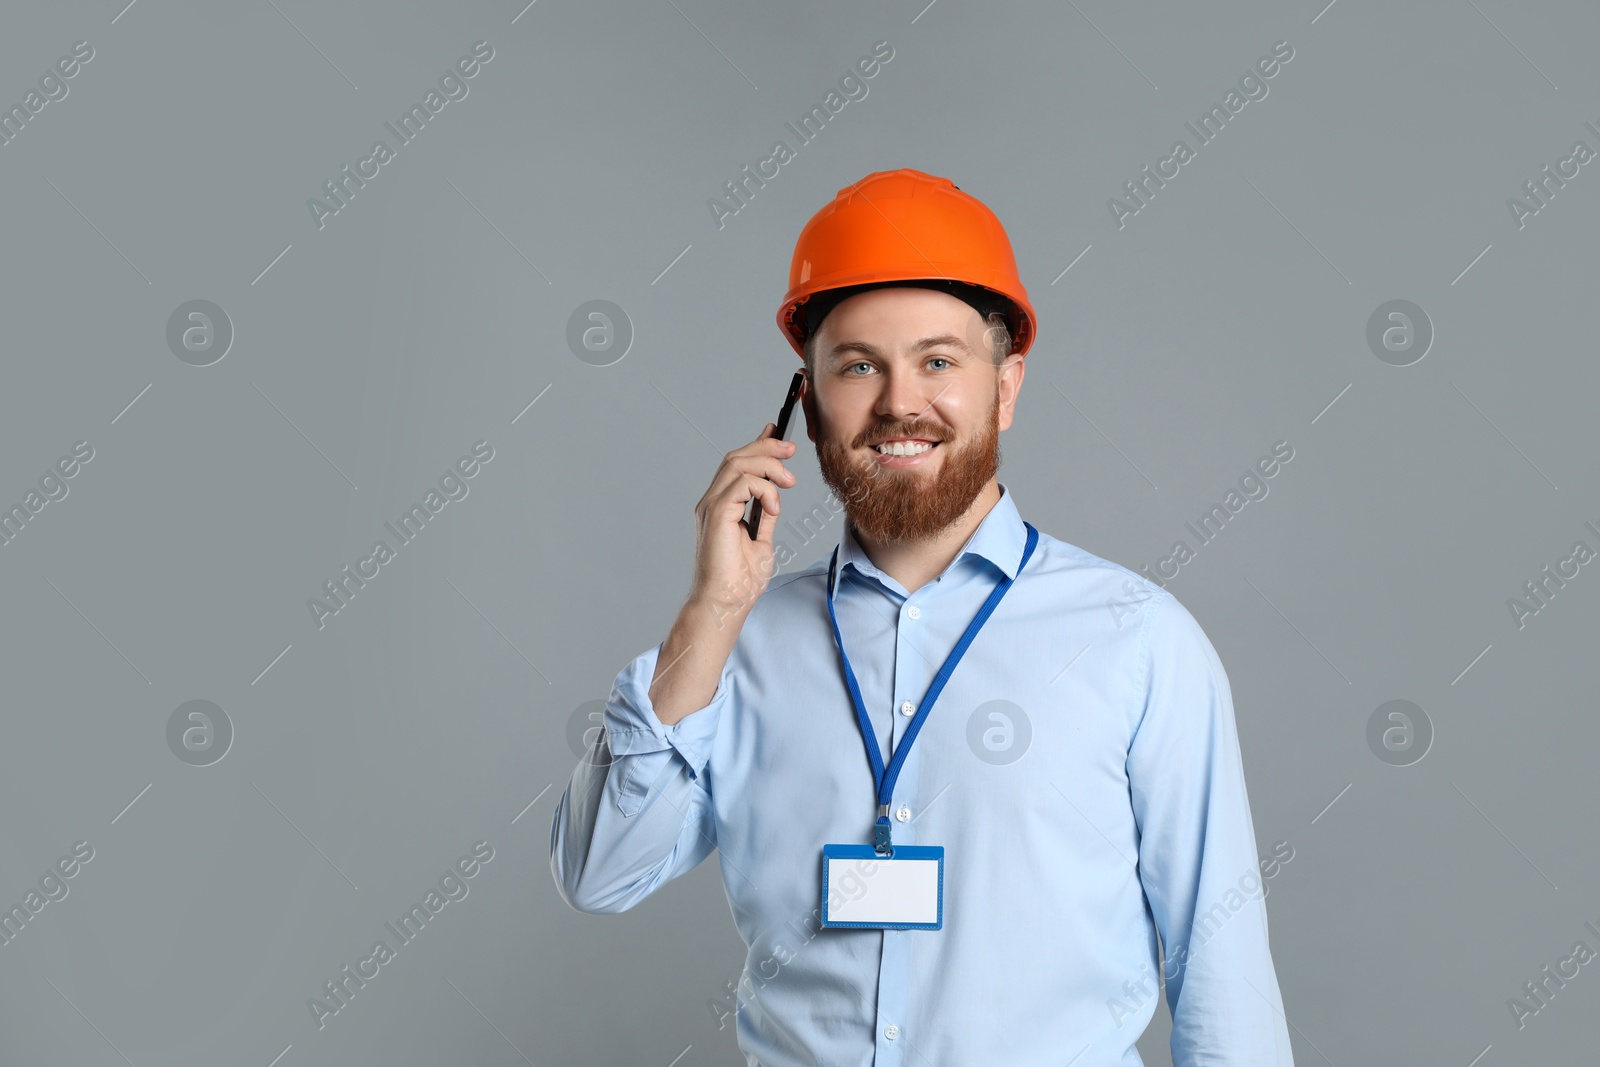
764	466
762	489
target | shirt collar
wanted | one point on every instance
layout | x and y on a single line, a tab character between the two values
999	538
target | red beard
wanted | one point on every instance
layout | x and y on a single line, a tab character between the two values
911	504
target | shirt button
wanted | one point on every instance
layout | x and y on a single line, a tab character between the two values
891	1031
903	814
908	708
913	612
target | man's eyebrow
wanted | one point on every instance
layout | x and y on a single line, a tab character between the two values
944	340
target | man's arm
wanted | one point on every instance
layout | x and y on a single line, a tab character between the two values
637	812
1197	853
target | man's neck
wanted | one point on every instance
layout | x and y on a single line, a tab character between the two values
916	563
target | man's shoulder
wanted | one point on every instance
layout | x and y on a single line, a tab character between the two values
817	568
1073	555
1065	559
783	588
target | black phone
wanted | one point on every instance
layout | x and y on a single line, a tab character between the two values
778	432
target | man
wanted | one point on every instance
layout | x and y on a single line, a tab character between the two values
949	691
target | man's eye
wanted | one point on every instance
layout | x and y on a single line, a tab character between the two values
938	359
853	366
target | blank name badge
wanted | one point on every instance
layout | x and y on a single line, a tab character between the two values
902	891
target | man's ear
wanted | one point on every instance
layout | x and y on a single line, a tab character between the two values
808	404
1009	384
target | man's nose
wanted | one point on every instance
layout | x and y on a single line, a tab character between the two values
904	397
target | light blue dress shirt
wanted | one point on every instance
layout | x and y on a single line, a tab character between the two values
1081	769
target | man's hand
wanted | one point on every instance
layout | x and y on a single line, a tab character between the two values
730	572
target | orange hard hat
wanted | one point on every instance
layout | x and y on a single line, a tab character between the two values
904	225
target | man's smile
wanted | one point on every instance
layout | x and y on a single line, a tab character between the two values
903	452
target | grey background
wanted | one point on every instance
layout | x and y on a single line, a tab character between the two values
430	713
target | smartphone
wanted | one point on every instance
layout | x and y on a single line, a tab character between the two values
778	432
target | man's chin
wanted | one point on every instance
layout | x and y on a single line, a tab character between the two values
894	506
903	503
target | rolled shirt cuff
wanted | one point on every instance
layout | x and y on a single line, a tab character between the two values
634	729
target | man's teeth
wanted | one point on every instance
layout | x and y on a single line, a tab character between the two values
903	448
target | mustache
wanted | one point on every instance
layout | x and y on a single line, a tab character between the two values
924	432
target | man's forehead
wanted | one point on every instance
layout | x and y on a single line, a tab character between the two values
927	318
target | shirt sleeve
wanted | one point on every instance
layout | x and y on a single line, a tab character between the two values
1197	853
637	811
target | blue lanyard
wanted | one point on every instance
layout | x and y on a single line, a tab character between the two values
886	777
